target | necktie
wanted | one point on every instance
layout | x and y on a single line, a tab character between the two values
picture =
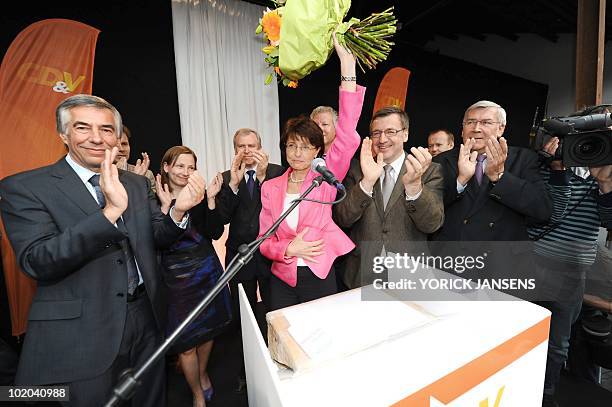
479	167
95	181
387	185
251	181
125	245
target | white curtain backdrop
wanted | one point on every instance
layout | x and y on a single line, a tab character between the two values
220	72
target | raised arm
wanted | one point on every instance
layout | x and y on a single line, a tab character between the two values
349	109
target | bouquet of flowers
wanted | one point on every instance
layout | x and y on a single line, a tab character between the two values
298	34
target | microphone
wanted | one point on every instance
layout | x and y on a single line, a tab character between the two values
318	165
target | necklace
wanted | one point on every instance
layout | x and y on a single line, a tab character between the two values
295	181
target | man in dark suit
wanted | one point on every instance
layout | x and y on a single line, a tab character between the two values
87	234
491	190
393	201
239	204
491	193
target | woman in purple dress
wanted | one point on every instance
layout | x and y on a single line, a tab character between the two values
191	269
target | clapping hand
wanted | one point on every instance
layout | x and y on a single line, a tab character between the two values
371	170
142	166
262	164
497	152
214	186
237	171
164	194
191	195
467	161
122	163
416	164
114	192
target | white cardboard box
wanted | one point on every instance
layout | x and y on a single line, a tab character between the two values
464	353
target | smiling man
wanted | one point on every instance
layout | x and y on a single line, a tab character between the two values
491	193
490	190
88	233
393	198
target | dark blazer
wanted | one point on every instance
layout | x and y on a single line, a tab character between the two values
63	241
241	211
495	217
494	213
402	226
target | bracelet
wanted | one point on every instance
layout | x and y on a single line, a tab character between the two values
348	78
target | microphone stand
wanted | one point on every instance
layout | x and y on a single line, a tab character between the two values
129	379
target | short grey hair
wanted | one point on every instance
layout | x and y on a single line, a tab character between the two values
245	132
485	104
325	109
63	115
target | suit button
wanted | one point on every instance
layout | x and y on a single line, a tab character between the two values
119	261
385	231
465	221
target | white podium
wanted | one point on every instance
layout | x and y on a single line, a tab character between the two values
465	353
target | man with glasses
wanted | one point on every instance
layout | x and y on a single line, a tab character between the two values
393	198
491	190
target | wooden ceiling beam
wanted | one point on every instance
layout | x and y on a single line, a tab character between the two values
590	41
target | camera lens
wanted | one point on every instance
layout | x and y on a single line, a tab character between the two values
589	148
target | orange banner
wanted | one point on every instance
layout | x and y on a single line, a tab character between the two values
393	89
48	61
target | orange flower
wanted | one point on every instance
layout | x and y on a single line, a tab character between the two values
271	23
292	84
278	71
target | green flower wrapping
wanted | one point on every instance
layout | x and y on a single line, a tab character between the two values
306	34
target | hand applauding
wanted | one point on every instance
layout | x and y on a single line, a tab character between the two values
371	170
191	195
416	164
114	192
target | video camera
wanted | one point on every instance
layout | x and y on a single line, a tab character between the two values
584	141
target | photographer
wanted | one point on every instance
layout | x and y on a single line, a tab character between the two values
565	248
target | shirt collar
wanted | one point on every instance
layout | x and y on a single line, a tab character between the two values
397	164
83	173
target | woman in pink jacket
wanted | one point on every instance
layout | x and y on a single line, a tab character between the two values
304	247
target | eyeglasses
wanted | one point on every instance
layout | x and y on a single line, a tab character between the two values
388	132
294	148
483	123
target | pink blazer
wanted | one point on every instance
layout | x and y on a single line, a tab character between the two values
317	217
